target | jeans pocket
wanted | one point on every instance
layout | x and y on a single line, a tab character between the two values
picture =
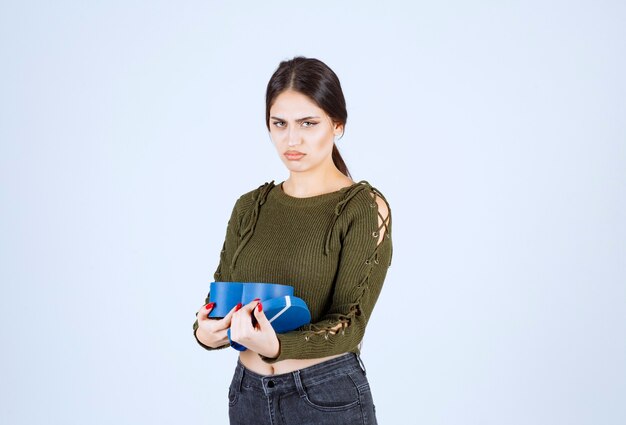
337	393
330	400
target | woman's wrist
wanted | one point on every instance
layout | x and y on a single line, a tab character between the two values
277	350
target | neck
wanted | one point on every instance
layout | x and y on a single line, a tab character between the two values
315	183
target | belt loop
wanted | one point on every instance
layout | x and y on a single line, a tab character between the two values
361	363
298	381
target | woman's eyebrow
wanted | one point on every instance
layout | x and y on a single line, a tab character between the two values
298	120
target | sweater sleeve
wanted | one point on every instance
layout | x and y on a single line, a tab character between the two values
358	282
223	272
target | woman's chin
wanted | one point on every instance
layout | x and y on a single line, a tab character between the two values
295	166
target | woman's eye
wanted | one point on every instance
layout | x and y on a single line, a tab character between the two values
276	123
309	122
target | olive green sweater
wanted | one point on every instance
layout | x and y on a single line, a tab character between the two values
326	246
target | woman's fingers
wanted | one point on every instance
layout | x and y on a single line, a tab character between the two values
225	322
258	336
261	318
205	310
243	321
240	321
250	306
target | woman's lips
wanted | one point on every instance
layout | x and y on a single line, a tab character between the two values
294	156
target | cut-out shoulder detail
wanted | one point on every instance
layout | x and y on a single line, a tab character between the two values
383	217
335	329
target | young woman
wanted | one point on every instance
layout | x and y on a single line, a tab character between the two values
320	232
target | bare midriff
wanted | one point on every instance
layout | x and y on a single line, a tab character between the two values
252	361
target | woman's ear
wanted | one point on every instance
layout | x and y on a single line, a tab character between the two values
338	130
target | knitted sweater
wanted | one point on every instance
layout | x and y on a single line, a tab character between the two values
326	246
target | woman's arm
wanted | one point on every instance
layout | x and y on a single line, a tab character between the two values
222	273
366	256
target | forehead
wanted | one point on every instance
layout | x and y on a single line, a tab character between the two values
290	103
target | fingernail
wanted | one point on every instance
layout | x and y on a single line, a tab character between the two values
260	307
238	307
256	299
210	305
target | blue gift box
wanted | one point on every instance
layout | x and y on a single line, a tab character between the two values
227	295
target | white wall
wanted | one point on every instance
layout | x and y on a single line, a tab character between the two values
496	131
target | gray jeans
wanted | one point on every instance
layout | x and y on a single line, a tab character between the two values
334	392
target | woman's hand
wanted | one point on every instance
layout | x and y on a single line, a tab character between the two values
260	338
212	332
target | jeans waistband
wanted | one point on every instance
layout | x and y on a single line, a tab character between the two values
265	383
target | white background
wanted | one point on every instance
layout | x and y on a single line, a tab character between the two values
496	130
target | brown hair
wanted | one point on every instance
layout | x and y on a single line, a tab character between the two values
314	79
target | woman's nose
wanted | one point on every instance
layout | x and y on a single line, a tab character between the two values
294	138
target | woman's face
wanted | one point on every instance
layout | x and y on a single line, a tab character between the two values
298	125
